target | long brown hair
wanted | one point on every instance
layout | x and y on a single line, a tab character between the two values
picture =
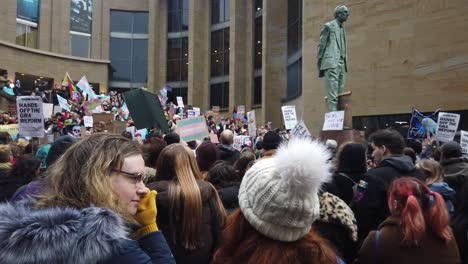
80	177
177	164
243	244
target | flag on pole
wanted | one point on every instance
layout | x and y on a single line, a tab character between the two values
84	86
63	103
67	81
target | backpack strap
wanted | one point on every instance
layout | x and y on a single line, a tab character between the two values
377	238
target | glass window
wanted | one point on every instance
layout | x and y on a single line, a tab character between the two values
219	95
80	45
220	11
220	52
177	59
128	56
294	87
26	36
178	16
258	5
294	70
181	91
258	43
140	22
121	21
257	98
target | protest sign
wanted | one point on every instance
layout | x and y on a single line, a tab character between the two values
421	125
239	141
464	142
214	138
131	130
252	123
180	101
88	121
93	106
57	109
240	111
48	110
191	114
197	111
333	121
447	125
63	103
192	129
145	109
30	116
300	130
289	116
10	129
76	96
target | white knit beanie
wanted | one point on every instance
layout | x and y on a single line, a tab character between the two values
278	196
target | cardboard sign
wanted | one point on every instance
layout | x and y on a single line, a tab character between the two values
93	106
447	125
191	114
464	142
289	116
103	117
88	121
252	123
10	129
48	110
239	141
333	121
214	138
30	116
180	101
241	111
197	111
192	129
300	130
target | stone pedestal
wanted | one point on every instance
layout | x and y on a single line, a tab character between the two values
341	136
344	104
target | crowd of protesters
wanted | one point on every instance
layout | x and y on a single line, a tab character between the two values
109	198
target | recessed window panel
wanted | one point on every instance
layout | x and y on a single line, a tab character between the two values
80	45
121	21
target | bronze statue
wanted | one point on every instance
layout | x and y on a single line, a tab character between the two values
331	56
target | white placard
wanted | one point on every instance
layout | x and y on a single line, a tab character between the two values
300	130
131	130
191	114
30	116
333	120
447	125
239	141
88	121
57	109
252	123
197	111
180	101
289	116
240	111
464	142
48	110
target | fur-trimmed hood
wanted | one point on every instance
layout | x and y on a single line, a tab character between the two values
59	235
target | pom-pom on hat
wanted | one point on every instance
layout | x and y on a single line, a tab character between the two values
279	196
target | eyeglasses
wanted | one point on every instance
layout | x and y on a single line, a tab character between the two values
137	176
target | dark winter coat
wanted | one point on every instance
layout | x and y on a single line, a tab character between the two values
228	153
388	249
342	186
65	235
9	185
211	229
456	175
372	209
228	193
459	225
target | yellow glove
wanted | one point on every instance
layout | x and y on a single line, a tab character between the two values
146	214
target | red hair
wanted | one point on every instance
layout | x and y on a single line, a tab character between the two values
420	210
243	244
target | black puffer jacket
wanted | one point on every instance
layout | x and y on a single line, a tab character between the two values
211	230
456	175
228	193
228	153
372	209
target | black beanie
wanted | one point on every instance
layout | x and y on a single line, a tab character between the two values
58	148
271	140
172	138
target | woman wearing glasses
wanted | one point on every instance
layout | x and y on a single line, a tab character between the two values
191	215
95	201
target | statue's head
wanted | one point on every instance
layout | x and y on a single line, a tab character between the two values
341	13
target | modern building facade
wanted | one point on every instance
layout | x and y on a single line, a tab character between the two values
257	53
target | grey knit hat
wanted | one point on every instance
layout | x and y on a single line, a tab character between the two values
279	196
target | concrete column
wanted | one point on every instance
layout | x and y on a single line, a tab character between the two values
96	31
8	24
249	54
157	44
45	26
60	17
238	56
105	29
199	54
274	59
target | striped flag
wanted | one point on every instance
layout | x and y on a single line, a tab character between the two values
84	86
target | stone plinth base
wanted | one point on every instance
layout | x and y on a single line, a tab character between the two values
341	136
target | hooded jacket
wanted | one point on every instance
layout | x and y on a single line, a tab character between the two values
456	175
372	209
228	153
65	235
